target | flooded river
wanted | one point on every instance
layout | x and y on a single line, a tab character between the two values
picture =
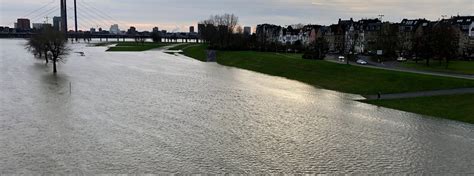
151	112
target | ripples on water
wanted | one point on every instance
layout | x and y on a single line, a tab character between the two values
156	113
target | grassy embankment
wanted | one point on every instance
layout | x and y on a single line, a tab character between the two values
347	78
197	52
182	46
134	46
459	67
339	77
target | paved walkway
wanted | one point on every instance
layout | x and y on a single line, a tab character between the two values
387	67
167	47
421	94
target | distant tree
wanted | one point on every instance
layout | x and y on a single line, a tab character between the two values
140	39
297	26
297	46
288	46
156	37
388	40
405	46
440	41
444	42
421	46
317	49
239	30
469	52
218	30
352	40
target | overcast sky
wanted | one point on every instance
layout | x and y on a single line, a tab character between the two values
178	15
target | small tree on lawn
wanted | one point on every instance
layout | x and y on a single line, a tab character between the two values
317	49
156	37
445	42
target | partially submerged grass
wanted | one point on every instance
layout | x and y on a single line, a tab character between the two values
454	107
134	46
183	46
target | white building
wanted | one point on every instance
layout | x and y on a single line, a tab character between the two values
290	36
114	29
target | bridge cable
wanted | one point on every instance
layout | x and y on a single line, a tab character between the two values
103	15
90	18
80	23
97	16
45	13
38	9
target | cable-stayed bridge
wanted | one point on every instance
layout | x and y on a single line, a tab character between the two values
84	16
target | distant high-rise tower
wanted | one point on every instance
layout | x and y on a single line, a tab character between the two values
191	29
114	29
247	30
57	23
23	24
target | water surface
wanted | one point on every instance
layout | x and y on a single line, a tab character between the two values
151	112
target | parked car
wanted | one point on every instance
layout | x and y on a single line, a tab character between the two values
401	59
342	58
361	62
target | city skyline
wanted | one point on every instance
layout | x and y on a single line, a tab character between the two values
282	12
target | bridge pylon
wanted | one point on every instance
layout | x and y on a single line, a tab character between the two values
64	16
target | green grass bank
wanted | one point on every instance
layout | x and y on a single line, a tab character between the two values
458	67
327	75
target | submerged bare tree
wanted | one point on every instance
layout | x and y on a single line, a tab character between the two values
36	47
50	43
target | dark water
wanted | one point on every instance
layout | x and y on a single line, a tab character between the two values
155	113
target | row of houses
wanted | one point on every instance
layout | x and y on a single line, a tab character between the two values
361	36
